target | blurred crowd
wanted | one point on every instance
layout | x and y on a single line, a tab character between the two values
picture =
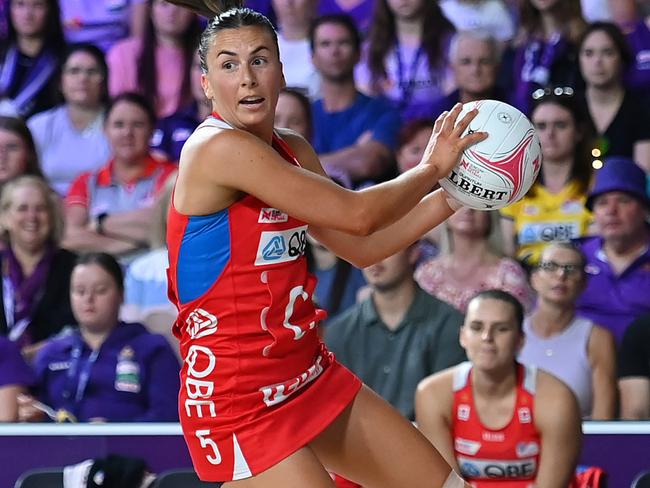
97	98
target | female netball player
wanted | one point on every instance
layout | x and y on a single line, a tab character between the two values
501	423
262	402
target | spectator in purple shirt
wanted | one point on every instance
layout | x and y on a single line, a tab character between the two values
106	370
628	16
15	377
618	259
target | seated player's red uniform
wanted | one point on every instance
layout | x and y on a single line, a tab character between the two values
257	384
489	458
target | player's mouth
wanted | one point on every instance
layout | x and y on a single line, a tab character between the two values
252	101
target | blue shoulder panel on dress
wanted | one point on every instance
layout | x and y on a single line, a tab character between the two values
203	254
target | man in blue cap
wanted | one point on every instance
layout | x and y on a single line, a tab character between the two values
618	258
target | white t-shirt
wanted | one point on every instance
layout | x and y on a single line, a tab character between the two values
298	69
65	152
596	10
490	16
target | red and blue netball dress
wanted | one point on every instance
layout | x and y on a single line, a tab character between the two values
257	384
491	458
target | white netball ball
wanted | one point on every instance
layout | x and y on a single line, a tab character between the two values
501	169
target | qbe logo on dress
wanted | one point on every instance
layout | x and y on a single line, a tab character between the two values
281	246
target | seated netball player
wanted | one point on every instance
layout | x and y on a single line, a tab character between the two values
501	423
262	401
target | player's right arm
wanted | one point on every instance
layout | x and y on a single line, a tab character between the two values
216	171
557	417
433	409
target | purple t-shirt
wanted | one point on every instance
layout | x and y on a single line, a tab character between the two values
611	300
13	368
361	13
134	377
638	38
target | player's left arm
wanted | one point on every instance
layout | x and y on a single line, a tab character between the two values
428	213
602	357
557	417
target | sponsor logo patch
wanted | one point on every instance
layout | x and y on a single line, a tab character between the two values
466	446
272	216
527	449
201	323
281	246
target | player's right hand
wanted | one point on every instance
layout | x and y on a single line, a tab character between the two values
447	142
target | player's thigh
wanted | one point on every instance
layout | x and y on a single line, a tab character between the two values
373	445
300	470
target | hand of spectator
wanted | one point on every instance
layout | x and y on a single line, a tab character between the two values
27	411
447	141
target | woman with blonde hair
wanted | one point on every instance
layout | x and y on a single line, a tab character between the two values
470	262
35	270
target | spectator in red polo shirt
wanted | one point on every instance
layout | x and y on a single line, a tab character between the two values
110	210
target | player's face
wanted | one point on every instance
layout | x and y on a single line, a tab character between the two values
619	215
392	272
334	54
82	80
470	223
474	66
600	62
128	131
490	334
559	279
244	77
13	155
95	297
410	154
556	130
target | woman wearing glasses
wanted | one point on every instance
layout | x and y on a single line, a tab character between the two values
570	347
554	208
70	138
620	117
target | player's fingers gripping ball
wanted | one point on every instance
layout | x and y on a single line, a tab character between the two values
501	169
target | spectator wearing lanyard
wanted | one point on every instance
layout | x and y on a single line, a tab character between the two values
15	377
405	58
110	210
545	50
30	59
106	370
35	271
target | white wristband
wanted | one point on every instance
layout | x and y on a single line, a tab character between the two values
453	481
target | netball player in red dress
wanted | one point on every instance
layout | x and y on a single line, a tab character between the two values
499	422
262	401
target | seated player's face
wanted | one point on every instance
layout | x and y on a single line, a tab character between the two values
128	130
490	334
244	76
